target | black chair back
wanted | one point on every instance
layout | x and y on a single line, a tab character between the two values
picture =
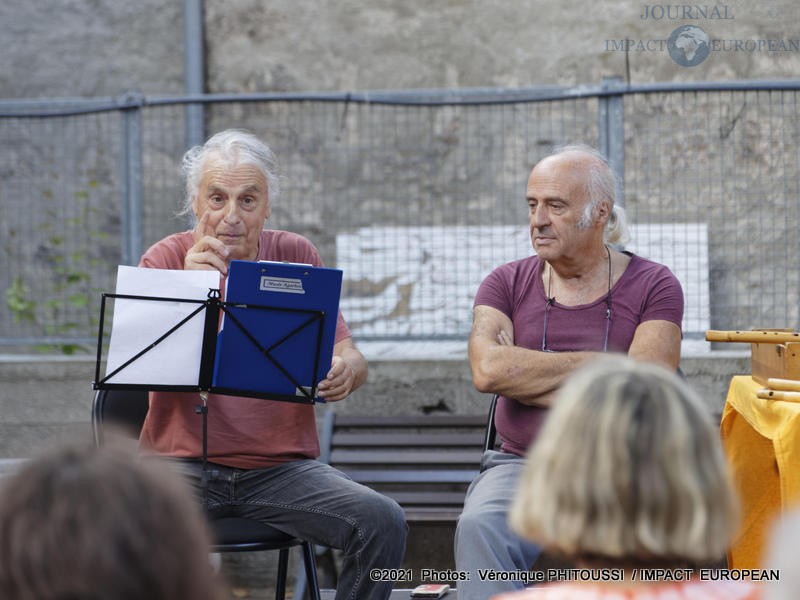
123	409
490	440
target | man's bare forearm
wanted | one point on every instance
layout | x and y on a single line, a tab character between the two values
528	376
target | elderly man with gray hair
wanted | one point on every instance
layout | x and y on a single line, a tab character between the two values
538	319
263	452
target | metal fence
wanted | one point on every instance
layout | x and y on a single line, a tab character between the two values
415	195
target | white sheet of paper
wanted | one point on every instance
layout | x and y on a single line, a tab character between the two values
139	323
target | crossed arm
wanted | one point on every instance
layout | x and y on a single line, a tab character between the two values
531	376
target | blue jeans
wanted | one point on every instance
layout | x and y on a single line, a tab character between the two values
483	539
313	501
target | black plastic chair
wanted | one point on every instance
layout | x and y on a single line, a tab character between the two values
126	410
490	439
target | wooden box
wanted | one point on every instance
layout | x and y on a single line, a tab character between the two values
781	361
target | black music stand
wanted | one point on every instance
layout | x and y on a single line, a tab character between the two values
212	306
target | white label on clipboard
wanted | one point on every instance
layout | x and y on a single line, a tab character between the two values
288	285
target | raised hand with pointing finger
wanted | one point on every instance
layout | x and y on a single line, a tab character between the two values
231	205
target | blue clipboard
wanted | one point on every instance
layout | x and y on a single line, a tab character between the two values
278	330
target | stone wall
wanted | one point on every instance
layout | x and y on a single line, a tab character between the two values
723	154
102	47
67	48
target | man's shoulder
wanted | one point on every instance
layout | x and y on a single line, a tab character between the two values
183	238
640	265
170	251
516	269
644	274
282	237
527	263
507	281
277	244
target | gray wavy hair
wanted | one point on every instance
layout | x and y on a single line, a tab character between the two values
601	185
234	147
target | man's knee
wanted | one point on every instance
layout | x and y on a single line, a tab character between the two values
381	513
391	517
476	525
384	529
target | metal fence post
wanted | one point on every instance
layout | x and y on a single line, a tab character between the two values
612	131
194	70
132	210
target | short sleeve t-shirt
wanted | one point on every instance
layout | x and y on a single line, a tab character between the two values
242	432
645	291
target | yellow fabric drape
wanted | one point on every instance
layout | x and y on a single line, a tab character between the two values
762	440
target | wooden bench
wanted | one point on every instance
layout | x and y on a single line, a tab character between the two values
424	462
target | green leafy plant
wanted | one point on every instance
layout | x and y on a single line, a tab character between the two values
63	307
19	303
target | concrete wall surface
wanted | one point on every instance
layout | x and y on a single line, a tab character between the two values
46	399
58	48
100	48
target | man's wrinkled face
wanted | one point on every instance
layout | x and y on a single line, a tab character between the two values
237	200
556	201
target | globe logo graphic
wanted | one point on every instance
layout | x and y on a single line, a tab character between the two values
689	45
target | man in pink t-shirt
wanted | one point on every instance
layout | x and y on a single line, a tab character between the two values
536	320
262	453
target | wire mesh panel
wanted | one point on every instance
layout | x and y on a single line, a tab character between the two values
415	203
416	197
162	186
721	170
60	225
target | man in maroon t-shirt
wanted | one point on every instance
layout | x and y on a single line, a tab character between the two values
536	320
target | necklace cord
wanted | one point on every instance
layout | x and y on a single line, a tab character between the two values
551	300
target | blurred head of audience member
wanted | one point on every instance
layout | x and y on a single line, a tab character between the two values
628	473
87	523
782	558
